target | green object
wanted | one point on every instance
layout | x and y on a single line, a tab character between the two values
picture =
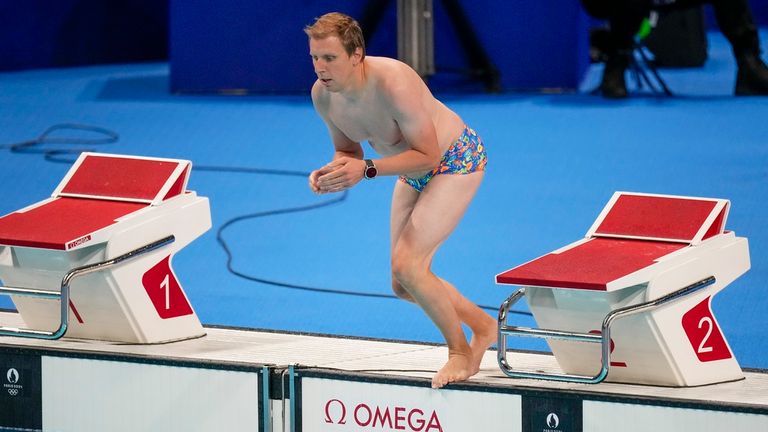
645	29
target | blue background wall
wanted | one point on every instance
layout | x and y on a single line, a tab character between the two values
258	45
48	33
249	46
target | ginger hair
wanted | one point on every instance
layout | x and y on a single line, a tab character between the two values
340	25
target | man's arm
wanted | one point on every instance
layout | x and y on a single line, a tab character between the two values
416	125
344	147
401	94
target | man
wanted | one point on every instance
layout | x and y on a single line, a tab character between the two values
440	162
733	17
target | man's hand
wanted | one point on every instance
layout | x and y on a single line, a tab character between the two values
314	175
339	175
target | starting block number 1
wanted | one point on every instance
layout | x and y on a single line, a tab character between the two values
703	333
164	291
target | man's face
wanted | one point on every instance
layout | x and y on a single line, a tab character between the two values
332	64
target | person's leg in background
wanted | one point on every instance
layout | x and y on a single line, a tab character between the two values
735	21
733	17
624	18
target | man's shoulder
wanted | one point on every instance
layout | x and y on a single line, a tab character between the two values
391	75
394	79
386	65
319	92
320	97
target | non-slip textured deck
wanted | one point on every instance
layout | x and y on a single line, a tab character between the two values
391	359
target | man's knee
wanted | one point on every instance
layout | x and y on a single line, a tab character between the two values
406	267
400	290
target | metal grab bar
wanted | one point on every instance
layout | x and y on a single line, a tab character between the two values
63	295
604	338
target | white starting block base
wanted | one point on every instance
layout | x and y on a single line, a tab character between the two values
657	260
117	221
222	381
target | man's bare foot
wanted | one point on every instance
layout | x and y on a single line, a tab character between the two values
482	339
458	368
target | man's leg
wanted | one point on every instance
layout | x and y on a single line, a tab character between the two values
403	201
483	325
437	211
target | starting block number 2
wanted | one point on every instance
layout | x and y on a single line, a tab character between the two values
703	333
164	291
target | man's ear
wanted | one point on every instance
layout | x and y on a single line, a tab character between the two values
358	55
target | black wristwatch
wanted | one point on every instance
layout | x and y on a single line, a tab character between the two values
370	170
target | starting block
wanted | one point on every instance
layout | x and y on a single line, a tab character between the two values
631	302
102	246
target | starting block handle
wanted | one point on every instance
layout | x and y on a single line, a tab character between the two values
63	294
604	338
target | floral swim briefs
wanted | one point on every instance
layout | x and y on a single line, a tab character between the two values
466	155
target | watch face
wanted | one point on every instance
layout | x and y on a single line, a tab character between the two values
370	172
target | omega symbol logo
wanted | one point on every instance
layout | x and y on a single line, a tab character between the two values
553	421
12	375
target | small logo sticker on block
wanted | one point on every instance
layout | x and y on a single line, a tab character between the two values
78	242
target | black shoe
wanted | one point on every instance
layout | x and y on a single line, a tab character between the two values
752	77
613	85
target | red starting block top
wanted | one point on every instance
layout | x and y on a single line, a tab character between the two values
61	221
590	265
631	233
660	217
97	190
124	179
